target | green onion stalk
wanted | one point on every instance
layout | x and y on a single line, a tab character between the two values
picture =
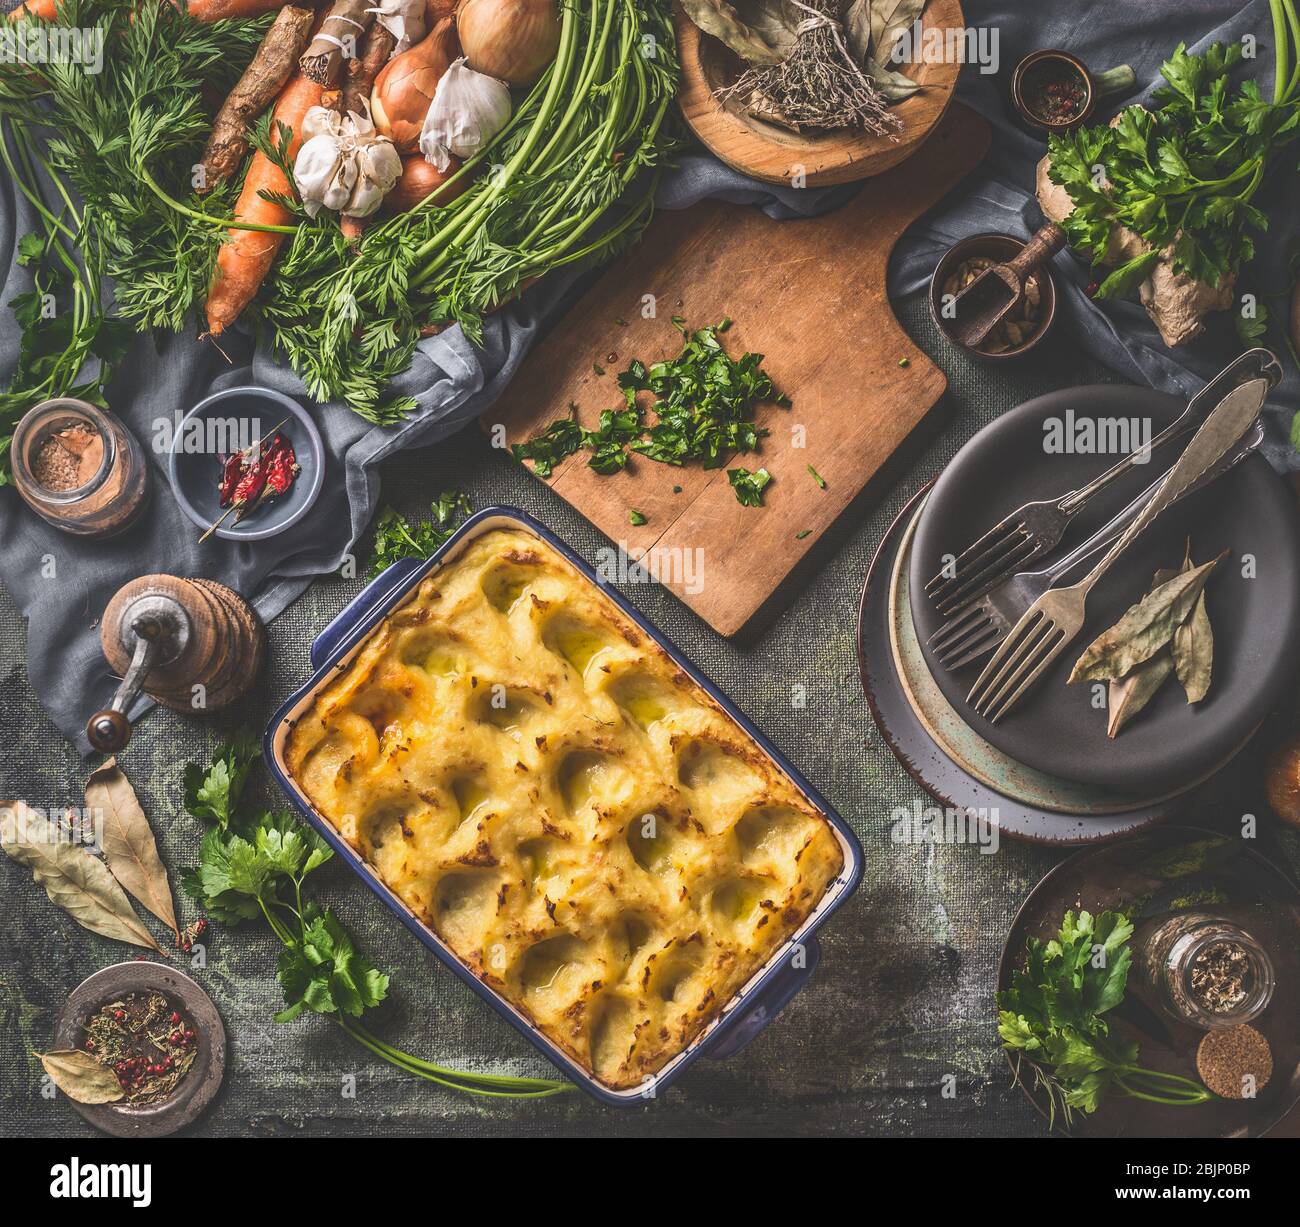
286	922
570	179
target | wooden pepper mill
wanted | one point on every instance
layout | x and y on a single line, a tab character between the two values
189	644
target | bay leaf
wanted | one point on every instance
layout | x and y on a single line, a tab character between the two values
857	29
1128	695
893	85
73	879
895	18
1193	646
79	1076
127	840
759	31
1145	627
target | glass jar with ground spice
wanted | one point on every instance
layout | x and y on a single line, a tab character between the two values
79	468
1204	970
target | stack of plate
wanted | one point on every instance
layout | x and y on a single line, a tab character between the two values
1047	771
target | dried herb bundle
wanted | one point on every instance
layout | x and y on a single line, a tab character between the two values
820	84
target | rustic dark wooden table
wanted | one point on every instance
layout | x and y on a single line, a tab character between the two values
894	1035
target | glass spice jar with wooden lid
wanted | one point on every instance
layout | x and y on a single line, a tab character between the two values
1203	969
79	468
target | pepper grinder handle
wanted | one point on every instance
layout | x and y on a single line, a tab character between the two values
108	730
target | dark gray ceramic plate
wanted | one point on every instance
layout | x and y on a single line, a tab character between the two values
1256	620
931	765
1152	875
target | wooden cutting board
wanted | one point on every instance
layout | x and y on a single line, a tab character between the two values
810	295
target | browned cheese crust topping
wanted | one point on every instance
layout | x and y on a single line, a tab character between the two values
575	817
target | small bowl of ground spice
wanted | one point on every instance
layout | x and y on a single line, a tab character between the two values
1025	325
160	1037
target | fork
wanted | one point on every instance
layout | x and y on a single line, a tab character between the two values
1056	618
1037	527
980	625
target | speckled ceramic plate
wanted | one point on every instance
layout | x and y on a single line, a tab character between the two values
1038	819
194	1092
1155	873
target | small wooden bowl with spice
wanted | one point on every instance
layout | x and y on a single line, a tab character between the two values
1024	327
158	1033
1054	90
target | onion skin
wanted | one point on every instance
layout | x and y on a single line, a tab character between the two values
405	86
421	179
512	40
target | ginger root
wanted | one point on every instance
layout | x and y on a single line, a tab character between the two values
1176	303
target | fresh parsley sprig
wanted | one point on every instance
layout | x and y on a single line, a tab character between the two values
1054	1012
256	865
1184	173
396	537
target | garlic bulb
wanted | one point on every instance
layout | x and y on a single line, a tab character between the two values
403	19
344	164
468	110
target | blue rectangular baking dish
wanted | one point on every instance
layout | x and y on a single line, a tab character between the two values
752	1008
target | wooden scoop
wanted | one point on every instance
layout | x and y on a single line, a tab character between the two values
983	304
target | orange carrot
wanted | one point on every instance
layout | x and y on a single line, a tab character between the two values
246	258
44	9
200	10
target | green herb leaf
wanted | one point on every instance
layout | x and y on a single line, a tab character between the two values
214	794
749	486
396	537
817	477
323	972
635	517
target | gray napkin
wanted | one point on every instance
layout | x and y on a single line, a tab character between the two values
62	584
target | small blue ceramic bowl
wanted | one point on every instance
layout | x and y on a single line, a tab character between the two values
230	421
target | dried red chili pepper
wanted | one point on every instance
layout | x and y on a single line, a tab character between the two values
231	471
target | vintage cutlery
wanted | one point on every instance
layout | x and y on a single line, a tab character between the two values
979	626
1053	620
1033	529
979	308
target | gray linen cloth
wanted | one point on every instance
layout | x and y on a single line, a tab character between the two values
62	584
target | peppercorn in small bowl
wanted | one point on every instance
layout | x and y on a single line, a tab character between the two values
158	1033
246	463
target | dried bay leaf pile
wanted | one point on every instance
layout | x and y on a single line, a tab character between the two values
89	889
1167	632
819	65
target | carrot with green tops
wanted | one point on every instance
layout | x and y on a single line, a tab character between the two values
246	257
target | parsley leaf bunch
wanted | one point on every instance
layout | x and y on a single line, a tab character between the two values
396	537
1183	174
255	865
1054	1011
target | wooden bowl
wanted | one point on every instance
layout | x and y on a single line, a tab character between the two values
776	155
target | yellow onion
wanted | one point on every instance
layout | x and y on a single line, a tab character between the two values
512	40
420	179
405	86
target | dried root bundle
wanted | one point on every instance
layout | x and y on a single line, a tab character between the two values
819	85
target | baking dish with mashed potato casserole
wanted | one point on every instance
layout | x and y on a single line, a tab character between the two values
557	804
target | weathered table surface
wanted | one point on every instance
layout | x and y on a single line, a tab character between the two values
894	1035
